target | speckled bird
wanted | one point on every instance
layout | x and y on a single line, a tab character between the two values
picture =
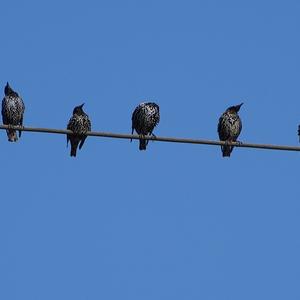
144	118
12	112
229	127
80	124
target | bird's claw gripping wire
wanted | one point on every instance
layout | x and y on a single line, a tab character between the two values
154	137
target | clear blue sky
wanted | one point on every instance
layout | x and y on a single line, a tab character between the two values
174	222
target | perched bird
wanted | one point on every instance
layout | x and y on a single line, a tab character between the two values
80	124
12	112
299	132
144	118
229	127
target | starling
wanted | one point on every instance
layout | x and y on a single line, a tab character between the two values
144	118
12	112
229	127
80	124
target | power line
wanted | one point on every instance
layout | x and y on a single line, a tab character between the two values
157	138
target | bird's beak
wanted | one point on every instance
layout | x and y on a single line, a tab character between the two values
81	105
239	106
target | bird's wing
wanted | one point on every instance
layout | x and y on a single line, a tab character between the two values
69	127
4	119
223	133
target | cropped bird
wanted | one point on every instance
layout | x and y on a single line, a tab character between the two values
144	118
229	127
12	112
299	132
80	124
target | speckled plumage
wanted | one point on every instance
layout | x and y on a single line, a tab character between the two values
229	128
12	112
80	124
144	118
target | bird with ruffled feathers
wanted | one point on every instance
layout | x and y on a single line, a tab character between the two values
229	128
12	112
80	124
144	118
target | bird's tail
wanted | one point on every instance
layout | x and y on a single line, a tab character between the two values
74	146
12	135
82	142
226	150
143	144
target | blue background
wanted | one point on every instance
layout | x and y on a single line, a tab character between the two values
174	222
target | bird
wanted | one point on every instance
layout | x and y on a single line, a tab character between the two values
80	124
299	132
12	112
229	128
144	118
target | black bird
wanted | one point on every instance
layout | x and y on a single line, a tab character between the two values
229	127
144	118
80	124
12	112
299	132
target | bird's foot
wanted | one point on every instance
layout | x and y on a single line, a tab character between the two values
131	134
153	136
239	142
20	128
